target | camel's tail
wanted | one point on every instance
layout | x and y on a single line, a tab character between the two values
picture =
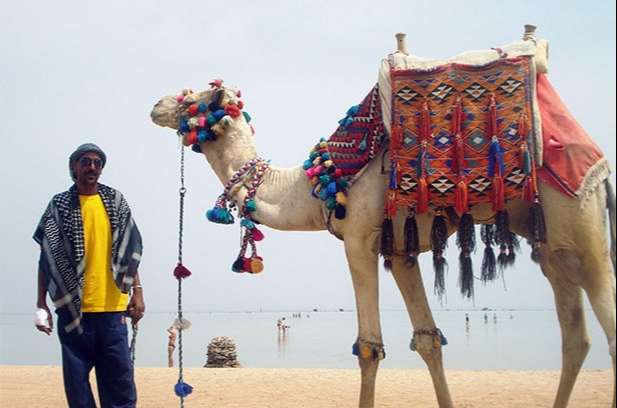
610	205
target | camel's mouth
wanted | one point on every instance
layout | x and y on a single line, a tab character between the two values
200	117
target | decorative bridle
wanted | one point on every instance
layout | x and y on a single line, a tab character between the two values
196	124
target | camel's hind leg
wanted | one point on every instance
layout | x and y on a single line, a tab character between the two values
569	304
598	280
409	281
369	347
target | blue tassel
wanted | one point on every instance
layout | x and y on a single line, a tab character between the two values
247	117
246	223
355	350
251	205
323	194
182	389
202	107
527	163
331	203
202	136
218	114
393	184
362	146
184	126
220	216
307	164
332	188
211	119
442	338
238	265
325	179
325	156
353	111
495	158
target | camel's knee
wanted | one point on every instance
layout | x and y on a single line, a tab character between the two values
428	343
368	351
566	264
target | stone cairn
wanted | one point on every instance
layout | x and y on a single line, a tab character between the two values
222	353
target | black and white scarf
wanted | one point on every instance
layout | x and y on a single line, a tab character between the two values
60	234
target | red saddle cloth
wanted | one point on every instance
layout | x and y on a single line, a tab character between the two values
573	163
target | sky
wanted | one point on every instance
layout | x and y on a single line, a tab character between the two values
75	72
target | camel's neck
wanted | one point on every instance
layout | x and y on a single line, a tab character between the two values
283	198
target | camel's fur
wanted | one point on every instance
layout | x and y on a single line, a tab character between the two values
575	259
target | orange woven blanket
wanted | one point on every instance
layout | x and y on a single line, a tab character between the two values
459	136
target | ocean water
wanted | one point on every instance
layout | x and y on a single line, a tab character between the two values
519	340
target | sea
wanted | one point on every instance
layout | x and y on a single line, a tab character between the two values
491	340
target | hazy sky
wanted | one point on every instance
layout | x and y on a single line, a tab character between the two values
73	72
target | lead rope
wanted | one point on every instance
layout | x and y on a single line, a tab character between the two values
133	344
181	388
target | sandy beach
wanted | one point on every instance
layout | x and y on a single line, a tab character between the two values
41	386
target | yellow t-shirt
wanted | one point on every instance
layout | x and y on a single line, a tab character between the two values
100	293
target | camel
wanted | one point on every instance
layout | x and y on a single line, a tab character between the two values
575	259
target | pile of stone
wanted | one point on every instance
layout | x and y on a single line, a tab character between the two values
222	353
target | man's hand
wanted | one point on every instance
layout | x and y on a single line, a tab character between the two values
136	307
50	322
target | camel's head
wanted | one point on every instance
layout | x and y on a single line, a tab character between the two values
200	117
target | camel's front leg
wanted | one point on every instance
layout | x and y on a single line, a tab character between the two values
362	262
426	335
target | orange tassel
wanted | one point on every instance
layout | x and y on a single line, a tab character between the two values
462	205
396	139
528	192
423	197
498	193
391	205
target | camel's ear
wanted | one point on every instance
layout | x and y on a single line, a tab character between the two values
165	112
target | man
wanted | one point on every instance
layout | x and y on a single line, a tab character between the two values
90	252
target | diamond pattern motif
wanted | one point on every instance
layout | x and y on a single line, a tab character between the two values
407	95
515	177
409	139
510	86
408	183
442	140
475	91
442	92
442	185
477	139
480	184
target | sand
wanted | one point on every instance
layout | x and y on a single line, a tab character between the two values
41	386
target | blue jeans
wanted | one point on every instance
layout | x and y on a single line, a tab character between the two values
104	346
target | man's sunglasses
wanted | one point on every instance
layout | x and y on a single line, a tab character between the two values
87	162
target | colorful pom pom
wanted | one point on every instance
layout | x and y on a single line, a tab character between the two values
181	271
193	109
182	389
256	265
247	117
233	111
257	234
251	205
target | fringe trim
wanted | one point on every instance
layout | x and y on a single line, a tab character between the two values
594	177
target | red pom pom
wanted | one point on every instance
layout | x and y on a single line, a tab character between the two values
191	138
181	272
246	264
233	111
338	173
217	83
239	93
240	104
257	234
193	109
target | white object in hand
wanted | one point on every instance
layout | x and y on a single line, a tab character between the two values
40	318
